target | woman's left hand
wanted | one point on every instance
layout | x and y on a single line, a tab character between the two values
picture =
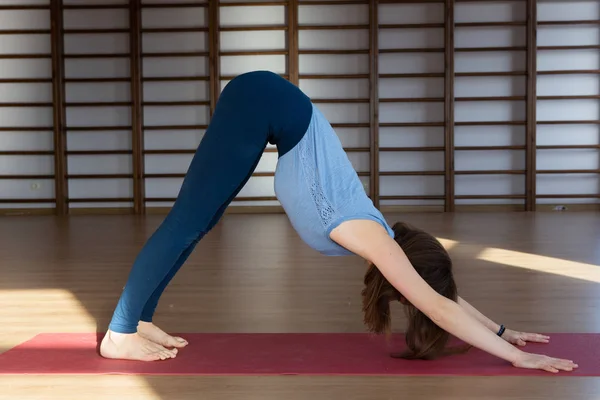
521	338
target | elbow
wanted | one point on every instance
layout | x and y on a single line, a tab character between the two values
443	311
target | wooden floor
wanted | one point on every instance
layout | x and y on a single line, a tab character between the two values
535	272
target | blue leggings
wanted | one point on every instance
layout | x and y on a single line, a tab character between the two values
254	109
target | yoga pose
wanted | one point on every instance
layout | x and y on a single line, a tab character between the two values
328	207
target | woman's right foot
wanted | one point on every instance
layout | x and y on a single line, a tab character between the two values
131	346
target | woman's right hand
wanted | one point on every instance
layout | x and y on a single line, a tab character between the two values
538	361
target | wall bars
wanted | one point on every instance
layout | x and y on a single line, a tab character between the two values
27	122
335	66
564	103
440	104
177	52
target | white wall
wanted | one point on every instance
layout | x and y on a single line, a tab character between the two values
316	81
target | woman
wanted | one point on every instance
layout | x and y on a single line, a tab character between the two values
327	205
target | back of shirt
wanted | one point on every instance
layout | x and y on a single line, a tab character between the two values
319	188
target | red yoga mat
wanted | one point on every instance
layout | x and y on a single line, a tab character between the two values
286	354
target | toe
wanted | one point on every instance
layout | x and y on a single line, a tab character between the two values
177	342
157	347
167	354
153	357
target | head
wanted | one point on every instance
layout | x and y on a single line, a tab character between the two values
424	339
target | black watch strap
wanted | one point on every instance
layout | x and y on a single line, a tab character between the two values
501	331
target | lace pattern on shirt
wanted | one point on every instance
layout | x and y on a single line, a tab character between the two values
324	208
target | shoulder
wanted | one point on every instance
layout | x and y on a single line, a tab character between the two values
364	237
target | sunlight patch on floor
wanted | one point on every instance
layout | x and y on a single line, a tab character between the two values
90	386
534	262
46	310
447	243
28	312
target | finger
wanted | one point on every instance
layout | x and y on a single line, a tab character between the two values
549	368
566	365
536	337
563	367
562	360
521	342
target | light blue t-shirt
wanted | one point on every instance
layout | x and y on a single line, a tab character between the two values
319	188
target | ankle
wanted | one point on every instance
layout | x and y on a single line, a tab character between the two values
122	327
116	336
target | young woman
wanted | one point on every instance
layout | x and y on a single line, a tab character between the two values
327	205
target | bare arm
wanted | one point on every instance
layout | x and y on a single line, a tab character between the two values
514	337
370	241
488	323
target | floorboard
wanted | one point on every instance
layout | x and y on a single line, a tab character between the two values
252	273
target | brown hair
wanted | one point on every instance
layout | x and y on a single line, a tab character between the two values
424	339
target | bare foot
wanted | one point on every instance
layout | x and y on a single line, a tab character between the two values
131	346
153	333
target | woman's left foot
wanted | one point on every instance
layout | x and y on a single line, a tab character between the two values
153	333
